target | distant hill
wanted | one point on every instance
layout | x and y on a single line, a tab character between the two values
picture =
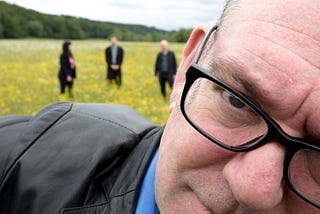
19	22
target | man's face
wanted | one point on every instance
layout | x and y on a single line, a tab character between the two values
114	41
164	46
278	56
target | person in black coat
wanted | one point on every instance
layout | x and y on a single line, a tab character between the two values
67	72
114	57
166	67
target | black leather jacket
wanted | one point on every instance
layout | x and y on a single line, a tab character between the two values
75	158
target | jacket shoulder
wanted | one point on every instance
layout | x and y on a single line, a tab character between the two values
10	129
72	118
65	145
171	53
120	116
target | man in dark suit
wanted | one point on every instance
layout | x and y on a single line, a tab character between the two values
114	57
166	67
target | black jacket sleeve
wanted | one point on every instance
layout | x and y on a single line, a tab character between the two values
174	64
11	128
157	65
120	56
107	57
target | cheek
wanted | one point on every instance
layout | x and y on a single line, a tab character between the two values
198	152
189	164
296	204
187	149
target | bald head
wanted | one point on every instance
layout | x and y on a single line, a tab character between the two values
300	16
230	4
292	24
164	46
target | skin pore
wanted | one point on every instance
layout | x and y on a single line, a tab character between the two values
272	47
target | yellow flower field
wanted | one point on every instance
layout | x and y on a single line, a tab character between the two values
29	80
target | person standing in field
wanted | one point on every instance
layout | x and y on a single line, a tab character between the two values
166	67
114	57
67	72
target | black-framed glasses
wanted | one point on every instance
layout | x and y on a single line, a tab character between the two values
229	119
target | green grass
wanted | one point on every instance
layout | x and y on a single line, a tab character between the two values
29	76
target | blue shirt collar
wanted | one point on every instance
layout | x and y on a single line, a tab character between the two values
146	202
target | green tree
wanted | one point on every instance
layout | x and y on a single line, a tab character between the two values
1	29
11	28
17	22
34	28
182	35
74	30
128	36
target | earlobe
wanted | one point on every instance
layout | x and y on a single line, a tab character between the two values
187	57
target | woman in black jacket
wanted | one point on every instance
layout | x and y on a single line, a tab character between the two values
67	70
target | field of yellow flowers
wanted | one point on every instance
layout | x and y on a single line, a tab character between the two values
29	80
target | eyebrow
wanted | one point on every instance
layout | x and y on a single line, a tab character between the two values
248	85
229	70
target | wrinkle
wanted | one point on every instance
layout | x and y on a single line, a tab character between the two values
285	27
271	65
290	51
303	101
286	48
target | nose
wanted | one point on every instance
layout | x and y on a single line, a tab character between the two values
256	177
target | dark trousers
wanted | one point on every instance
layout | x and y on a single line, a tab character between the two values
114	75
63	84
118	77
163	78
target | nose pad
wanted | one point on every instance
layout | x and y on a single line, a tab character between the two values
256	177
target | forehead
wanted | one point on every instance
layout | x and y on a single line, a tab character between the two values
288	24
164	43
281	63
303	15
274	43
269	49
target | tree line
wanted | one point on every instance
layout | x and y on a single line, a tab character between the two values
18	22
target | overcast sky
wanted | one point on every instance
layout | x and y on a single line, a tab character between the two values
163	14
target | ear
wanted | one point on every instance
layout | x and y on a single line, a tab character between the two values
187	57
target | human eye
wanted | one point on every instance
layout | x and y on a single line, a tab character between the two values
234	103
234	111
217	110
233	100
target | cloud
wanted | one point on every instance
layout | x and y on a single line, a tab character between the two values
164	14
